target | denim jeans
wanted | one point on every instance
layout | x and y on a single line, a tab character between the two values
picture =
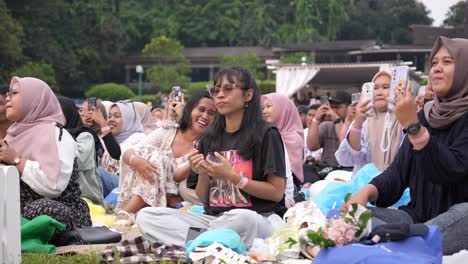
109	181
453	224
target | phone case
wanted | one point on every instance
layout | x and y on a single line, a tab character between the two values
399	80
367	92
355	97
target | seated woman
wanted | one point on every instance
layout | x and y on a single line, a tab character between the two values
44	154
161	159
239	170
144	111
88	145
370	140
433	159
125	125
95	118
280	111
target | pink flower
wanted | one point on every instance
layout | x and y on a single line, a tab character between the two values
340	232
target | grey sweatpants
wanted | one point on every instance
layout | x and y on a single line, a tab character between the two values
169	225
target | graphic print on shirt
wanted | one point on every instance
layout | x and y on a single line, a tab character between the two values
224	193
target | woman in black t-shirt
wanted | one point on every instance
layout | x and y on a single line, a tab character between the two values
239	169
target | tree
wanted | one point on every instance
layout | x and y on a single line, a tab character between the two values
456	14
11	52
41	71
248	61
172	68
387	21
80	39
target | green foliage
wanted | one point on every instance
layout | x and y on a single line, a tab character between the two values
200	86
266	86
164	75
85	41
164	49
316	237
455	16
110	91
11	33
387	21
248	61
41	71
146	98
80	39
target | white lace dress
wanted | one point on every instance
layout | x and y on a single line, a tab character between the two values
156	149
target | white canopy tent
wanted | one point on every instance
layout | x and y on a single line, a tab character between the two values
290	79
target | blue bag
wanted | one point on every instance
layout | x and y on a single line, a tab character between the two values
227	237
415	250
335	192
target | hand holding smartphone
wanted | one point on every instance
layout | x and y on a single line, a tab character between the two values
367	93
400	76
355	97
91	103
178	94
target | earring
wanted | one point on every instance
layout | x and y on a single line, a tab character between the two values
246	105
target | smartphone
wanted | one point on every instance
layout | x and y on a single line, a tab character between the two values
323	99
367	92
91	103
355	98
400	76
177	93
194	232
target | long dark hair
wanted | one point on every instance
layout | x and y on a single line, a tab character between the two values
75	126
186	120
252	121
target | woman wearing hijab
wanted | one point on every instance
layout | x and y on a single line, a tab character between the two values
95	118
44	154
368	139
144	111
125	125
280	111
88	145
433	158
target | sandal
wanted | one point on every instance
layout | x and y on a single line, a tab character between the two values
124	221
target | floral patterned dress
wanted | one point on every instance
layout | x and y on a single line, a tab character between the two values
156	149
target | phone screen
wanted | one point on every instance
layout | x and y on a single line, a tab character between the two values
177	93
400	76
323	99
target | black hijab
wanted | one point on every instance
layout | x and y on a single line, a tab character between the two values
75	125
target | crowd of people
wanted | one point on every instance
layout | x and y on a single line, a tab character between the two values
242	155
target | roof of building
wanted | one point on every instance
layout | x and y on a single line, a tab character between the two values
338	45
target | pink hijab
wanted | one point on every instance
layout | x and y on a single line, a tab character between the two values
33	136
289	123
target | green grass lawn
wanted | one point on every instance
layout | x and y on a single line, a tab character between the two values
65	259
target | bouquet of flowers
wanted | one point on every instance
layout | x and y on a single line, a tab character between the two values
338	230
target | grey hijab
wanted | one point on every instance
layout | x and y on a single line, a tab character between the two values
131	122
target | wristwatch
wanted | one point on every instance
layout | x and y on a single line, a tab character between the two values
338	120
412	129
